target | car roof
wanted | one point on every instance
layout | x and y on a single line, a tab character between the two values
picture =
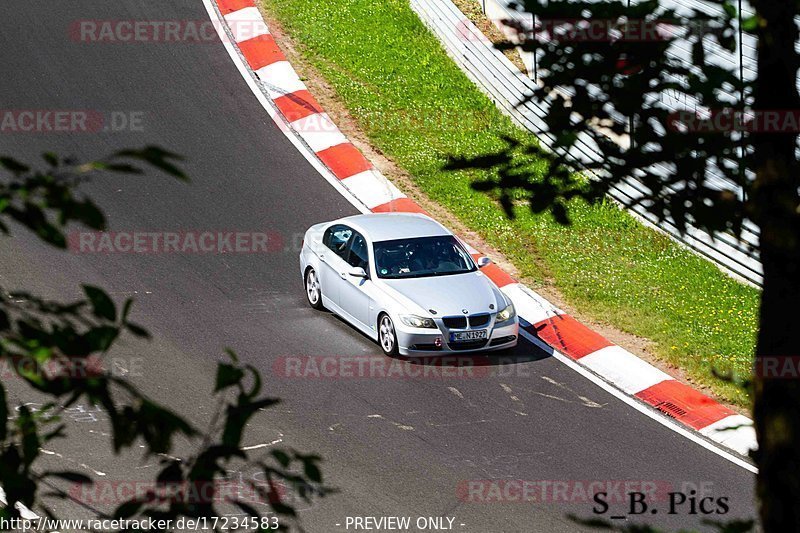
389	226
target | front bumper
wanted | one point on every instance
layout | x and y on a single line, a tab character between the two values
421	341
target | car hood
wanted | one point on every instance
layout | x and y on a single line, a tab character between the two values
449	295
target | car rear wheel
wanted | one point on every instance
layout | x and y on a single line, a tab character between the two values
313	290
387	338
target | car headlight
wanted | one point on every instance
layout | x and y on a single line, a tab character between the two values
418	321
506	314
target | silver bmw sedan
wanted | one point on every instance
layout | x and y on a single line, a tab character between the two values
407	282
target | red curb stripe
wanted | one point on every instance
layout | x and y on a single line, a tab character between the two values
229	6
684	404
400	205
297	105
569	336
497	275
261	51
344	160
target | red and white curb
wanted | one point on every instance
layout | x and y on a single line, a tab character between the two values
542	322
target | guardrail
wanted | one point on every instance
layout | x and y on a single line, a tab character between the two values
509	88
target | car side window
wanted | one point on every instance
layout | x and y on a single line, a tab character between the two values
358	256
336	238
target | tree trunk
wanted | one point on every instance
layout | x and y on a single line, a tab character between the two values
773	205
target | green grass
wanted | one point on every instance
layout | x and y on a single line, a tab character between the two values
417	107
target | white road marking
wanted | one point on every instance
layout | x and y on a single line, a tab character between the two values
510	393
584	400
82	465
263	445
404	427
456	392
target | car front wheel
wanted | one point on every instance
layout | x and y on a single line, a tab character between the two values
313	290
387	337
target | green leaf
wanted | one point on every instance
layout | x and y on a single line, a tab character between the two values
51	158
101	338
248	509
88	213
30	437
137	330
699	52
102	305
312	471
12	165
157	157
730	9
172	473
126	308
128	509
750	24
227	376
123	168
282	457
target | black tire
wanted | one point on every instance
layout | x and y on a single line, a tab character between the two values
313	289
387	337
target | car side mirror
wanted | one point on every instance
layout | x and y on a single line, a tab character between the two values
483	261
358	272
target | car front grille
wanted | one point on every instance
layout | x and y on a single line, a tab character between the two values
455	322
460	322
479	320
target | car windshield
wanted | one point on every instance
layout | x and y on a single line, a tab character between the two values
421	257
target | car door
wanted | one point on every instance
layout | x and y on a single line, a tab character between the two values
354	292
333	262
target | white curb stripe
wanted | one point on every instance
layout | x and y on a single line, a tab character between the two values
280	79
246	24
735	432
372	188
623	369
319	131
531	309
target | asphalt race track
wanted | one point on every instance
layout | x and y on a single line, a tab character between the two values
394	447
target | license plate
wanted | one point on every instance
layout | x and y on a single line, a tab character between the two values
468	335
